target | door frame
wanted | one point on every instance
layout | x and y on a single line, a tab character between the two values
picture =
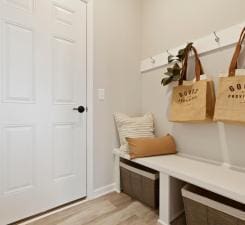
90	96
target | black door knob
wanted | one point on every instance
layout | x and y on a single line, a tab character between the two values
80	109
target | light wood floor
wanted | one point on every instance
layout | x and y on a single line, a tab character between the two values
112	209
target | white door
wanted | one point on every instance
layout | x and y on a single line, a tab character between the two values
42	78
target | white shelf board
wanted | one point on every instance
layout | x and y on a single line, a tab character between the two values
205	44
215	178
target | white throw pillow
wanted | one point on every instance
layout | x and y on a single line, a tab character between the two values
133	127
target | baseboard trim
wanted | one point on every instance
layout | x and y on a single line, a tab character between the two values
104	190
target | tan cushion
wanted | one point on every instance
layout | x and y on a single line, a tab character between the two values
145	147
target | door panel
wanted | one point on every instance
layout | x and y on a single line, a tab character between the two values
18	146
18	41
42	78
21	4
63	151
64	71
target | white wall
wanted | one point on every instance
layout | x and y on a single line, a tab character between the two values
116	69
167	24
126	31
170	23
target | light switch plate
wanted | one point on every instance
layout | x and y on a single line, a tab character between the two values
101	94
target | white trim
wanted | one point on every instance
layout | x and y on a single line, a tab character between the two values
217	163
224	146
104	190
90	75
83	98
117	179
206	44
162	223
200	159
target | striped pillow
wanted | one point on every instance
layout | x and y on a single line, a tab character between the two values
134	127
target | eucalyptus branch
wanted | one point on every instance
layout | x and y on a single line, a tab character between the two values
173	73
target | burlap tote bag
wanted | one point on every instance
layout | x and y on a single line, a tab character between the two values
230	105
192	102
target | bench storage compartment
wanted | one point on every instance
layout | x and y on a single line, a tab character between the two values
206	208
139	182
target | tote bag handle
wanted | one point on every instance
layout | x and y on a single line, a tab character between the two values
198	64
233	65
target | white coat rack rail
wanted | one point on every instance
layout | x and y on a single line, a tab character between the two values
211	42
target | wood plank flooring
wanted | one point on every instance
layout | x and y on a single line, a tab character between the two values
112	209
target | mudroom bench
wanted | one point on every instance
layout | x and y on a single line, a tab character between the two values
176	169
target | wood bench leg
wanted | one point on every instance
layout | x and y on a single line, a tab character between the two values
171	203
